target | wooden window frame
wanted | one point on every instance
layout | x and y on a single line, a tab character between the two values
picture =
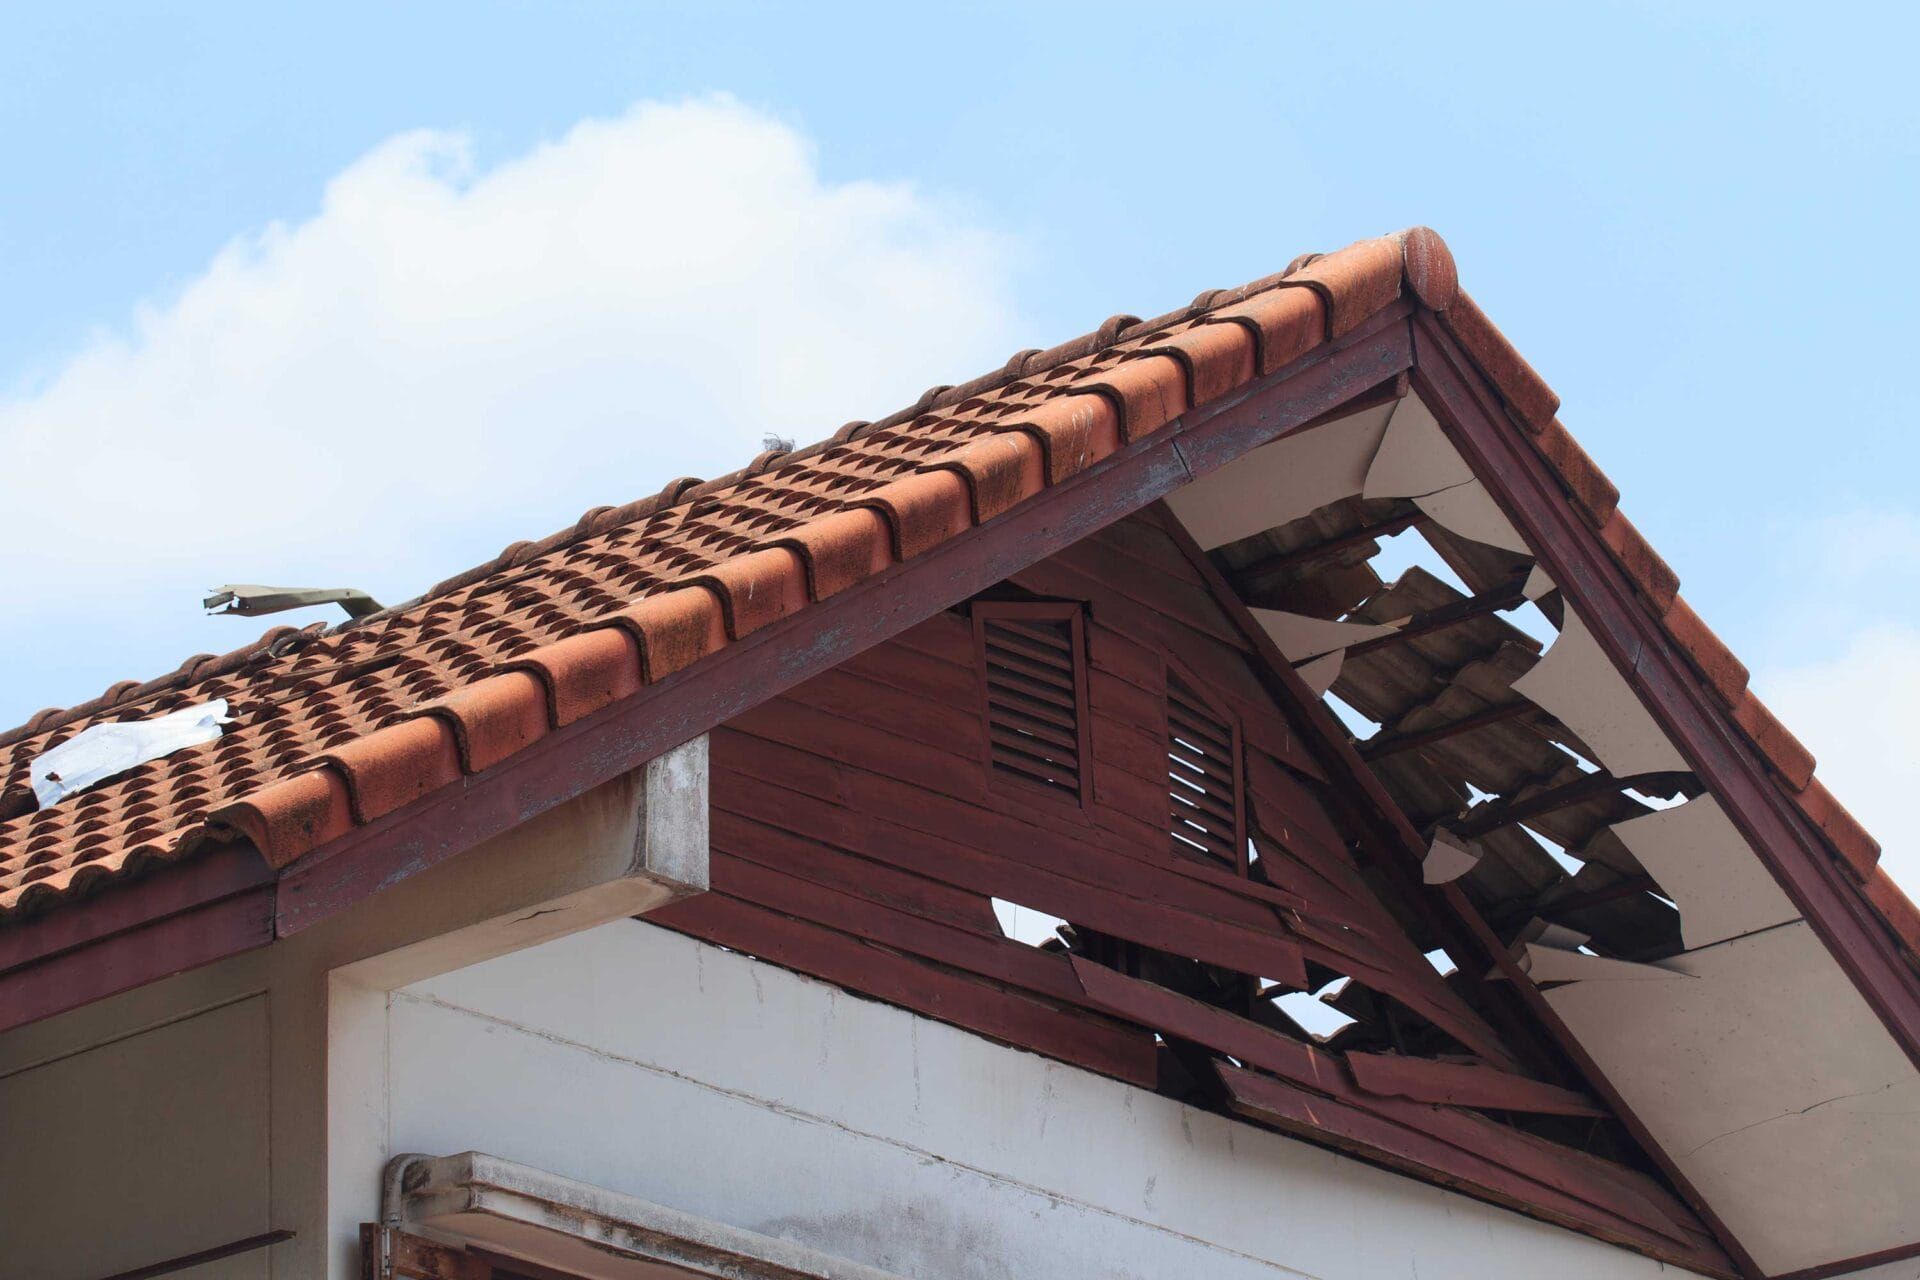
1074	614
1172	669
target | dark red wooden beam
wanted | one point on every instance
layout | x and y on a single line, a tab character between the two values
1464	1084
1382	745
1495	814
1545	905
1276	570
143	954
1476	1156
217	904
1505	596
174	1265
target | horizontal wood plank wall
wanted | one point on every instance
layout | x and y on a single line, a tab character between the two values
856	811
859	836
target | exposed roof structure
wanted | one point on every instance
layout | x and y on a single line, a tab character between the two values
337	727
1289	427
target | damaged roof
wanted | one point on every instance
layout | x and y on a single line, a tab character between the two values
334	728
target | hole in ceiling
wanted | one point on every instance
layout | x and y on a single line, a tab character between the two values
1024	924
1310	1010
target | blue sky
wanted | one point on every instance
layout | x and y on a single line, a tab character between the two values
1695	220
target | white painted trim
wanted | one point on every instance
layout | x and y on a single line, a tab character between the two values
571	1226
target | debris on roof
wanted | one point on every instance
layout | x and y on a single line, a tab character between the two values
107	750
248	601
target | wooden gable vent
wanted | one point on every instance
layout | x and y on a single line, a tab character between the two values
1203	778
1034	693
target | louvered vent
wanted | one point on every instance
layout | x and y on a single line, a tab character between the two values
1203	778
1034	685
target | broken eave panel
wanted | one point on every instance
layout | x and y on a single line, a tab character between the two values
1415	456
1706	867
1282	481
1576	682
1774	1089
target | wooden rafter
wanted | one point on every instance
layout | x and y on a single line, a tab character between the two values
1494	600
1492	816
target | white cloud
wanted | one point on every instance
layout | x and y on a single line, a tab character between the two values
1856	713
443	360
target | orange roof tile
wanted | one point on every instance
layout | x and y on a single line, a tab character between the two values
335	728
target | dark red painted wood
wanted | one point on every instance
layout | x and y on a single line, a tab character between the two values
1599	1207
207	877
740	838
1027	875
1464	1084
1599	1195
134	957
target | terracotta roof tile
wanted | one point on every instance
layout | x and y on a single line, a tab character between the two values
493	718
1592	492
1859	851
1643	564
1356	282
1708	653
334	728
1793	762
1895	907
1533	402
1285	324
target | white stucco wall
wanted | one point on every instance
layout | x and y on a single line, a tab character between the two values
648	1063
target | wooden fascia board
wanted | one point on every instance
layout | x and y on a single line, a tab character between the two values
135	956
1571	551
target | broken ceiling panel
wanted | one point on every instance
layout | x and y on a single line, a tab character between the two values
1448	858
1283	481
1704	865
1415	457
1547	963
1320	673
1469	511
1773	1087
1577	684
1300	637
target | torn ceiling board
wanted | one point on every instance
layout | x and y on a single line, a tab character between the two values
1300	637
1321	672
1415	456
1545	963
1774	1089
1577	684
1707	868
1448	858
1282	481
1469	510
